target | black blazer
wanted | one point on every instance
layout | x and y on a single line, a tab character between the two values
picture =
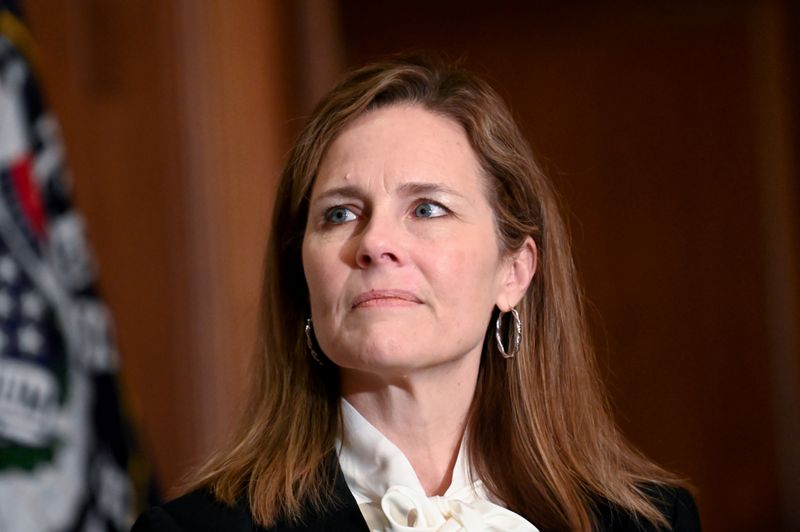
199	512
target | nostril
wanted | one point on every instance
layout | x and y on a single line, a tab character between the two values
364	259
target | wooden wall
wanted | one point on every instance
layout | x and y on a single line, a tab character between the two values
669	131
666	131
174	120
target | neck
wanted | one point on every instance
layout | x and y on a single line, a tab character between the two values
424	413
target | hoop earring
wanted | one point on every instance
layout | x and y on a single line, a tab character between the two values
516	339
310	342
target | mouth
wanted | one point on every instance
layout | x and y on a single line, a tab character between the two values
385	298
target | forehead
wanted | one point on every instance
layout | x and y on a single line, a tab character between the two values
398	144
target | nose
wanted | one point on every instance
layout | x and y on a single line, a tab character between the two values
379	243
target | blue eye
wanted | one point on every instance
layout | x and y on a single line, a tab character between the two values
428	209
339	215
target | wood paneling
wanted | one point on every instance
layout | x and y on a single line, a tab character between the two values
232	124
174	120
107	69
666	129
649	120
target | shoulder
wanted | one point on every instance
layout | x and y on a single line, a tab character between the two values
676	505
196	511
199	511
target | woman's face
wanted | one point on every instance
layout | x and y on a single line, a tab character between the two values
400	251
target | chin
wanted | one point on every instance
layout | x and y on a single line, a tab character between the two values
384	353
381	360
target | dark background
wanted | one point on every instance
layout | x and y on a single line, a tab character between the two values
669	129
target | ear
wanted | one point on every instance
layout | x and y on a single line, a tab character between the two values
519	269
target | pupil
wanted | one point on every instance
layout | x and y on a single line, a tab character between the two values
423	210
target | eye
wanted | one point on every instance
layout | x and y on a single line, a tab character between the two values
429	209
339	215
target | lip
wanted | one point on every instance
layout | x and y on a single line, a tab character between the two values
385	298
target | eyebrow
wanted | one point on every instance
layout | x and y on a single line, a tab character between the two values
421	189
409	189
346	191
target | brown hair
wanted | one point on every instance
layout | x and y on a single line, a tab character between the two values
541	436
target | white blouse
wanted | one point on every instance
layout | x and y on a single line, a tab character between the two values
392	499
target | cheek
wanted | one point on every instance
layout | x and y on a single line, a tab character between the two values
466	276
313	272
321	278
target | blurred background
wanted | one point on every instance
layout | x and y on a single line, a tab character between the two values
669	128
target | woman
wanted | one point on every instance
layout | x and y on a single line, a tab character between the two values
424	361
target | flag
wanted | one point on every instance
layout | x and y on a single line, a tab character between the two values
64	449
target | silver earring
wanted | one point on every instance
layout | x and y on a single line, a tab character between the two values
516	338
310	342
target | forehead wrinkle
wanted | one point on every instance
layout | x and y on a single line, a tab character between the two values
384	177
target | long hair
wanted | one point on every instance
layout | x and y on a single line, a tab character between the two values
541	436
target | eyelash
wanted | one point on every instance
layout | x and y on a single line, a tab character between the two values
445	210
328	216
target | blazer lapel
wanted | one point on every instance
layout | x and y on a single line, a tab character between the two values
343	516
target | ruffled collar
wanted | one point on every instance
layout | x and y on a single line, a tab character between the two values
391	497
